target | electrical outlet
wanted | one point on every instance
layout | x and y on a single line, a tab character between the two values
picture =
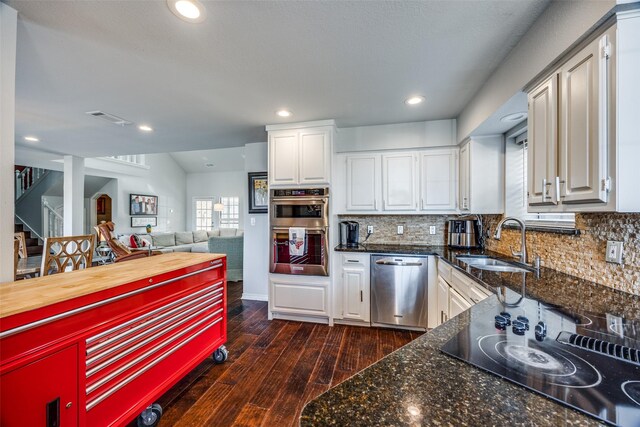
432	229
253	221
401	229
614	252
369	229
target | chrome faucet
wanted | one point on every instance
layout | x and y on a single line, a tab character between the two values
523	249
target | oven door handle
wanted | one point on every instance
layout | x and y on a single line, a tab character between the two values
319	229
287	201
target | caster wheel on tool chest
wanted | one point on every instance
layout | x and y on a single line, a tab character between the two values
150	417
220	355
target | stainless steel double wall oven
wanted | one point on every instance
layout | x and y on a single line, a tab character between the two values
307	208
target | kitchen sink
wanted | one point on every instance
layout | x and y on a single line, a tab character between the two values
491	264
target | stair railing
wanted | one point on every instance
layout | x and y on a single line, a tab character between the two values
27	178
53	221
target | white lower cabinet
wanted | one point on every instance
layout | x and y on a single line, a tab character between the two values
353	285
299	296
457	303
456	292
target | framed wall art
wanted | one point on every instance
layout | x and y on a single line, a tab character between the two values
258	193
141	204
137	221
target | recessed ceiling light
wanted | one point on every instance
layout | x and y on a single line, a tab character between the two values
414	100
31	139
188	10
514	117
145	128
284	113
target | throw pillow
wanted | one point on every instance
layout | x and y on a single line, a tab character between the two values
132	241
139	242
227	232
214	233
164	239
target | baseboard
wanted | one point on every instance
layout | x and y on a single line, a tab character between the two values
255	297
351	322
301	318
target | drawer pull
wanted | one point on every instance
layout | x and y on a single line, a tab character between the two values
107	378
352	260
144	369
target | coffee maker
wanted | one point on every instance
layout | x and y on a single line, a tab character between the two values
464	233
349	233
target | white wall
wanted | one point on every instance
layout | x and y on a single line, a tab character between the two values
8	28
555	31
215	184
256	233
163	178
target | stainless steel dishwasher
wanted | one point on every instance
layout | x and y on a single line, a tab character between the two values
399	287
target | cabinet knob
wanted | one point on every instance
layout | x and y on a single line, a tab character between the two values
69	405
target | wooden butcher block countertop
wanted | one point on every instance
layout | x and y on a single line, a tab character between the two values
25	295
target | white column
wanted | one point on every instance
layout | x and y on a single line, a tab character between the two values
8	33
73	193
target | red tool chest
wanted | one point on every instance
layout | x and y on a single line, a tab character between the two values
103	358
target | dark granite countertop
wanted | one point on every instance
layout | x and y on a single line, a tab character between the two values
419	385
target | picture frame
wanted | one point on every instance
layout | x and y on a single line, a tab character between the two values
143	204
100	206
139	222
258	193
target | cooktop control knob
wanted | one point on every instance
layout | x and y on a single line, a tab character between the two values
506	316
519	327
502	322
524	320
541	331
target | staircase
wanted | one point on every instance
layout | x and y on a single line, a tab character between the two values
33	244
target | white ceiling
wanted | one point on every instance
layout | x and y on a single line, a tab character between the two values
216	84
222	160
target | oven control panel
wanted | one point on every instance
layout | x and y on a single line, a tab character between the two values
301	192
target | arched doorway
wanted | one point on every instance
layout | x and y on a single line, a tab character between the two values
103	209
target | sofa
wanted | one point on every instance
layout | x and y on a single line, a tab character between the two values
229	241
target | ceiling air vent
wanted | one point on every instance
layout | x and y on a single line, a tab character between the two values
110	118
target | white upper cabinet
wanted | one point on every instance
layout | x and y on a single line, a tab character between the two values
283	157
583	125
438	180
363	172
300	155
315	155
594	118
482	175
543	143
399	181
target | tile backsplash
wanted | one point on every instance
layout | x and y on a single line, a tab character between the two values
582	255
416	228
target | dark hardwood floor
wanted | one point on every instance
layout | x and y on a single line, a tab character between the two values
274	368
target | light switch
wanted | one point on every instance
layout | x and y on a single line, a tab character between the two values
614	252
401	229
253	221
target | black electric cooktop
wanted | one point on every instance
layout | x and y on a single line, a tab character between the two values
589	361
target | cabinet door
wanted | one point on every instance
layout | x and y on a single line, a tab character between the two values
353	280
543	144
362	183
438	180
399	182
314	154
298	297
443	300
42	392
457	304
283	157
583	125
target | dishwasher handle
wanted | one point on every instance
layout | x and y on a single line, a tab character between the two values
399	263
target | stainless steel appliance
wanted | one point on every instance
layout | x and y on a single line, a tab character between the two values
349	233
399	291
587	360
464	233
307	208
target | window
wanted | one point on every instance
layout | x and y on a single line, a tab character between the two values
203	214
516	188
230	215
